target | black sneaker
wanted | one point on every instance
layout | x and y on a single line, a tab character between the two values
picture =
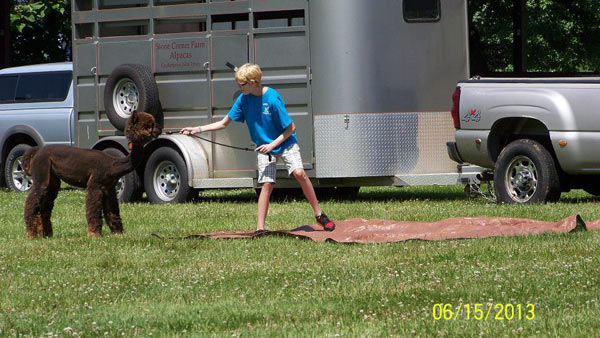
325	222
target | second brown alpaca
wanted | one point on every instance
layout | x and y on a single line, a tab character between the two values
93	170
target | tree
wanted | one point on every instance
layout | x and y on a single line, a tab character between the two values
41	31
562	35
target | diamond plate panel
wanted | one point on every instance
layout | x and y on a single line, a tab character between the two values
382	144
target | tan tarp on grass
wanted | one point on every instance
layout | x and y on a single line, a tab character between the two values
358	230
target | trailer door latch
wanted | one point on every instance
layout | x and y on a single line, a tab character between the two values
346	119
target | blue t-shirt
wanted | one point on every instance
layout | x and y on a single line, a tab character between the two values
265	117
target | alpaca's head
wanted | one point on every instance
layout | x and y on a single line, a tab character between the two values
141	128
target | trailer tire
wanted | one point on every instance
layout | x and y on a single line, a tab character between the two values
131	87
525	172
129	187
166	176
14	174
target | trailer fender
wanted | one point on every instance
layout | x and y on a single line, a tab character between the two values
118	142
192	150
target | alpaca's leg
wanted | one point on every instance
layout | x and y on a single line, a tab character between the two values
36	198
32	214
48	204
93	211
110	206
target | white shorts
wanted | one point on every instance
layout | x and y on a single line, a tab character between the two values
267	169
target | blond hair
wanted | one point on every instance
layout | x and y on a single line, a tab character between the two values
249	72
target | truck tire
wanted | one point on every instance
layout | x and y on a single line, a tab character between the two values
14	174
131	87
129	187
165	177
525	172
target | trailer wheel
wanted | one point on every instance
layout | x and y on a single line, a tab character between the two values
165	177
525	172
14	173
131	87
129	187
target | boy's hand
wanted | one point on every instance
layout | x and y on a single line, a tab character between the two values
190	130
265	148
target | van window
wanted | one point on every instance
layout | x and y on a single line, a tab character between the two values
421	10
43	86
8	85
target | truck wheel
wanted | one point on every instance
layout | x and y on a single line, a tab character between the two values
129	188
165	177
131	87
14	173
525	173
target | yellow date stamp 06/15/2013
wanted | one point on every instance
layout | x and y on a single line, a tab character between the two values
483	311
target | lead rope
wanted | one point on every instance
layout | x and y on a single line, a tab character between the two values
217	143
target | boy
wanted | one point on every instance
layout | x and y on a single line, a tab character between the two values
274	132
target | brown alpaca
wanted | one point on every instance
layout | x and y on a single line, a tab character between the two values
93	170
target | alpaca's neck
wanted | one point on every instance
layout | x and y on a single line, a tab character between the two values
132	160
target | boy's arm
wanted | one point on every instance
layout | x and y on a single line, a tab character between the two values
267	148
208	127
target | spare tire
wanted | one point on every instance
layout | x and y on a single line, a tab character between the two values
131	87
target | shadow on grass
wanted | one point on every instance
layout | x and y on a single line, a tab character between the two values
431	193
365	194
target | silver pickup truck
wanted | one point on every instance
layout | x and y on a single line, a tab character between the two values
541	137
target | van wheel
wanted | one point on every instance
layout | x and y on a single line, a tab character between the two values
129	187
165	177
131	87
525	172
14	173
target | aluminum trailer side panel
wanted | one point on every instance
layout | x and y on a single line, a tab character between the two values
381	87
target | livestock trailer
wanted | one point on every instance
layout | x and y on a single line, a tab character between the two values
367	83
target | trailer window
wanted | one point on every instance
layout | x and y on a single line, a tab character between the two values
106	4
8	84
43	86
421	10
84	30
279	19
123	28
176	2
166	26
230	21
83	5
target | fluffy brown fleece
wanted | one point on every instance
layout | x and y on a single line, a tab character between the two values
93	170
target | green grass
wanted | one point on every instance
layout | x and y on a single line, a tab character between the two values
139	285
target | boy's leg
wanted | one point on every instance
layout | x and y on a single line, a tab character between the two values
266	177
307	189
263	204
293	161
